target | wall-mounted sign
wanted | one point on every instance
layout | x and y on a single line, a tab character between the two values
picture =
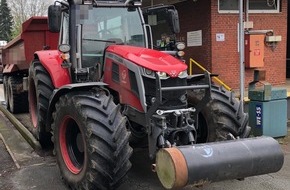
220	37
259	116
194	38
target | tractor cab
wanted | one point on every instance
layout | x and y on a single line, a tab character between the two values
100	29
98	24
89	27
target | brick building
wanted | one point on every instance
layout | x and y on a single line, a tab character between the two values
210	30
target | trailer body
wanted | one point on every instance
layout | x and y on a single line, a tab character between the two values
17	56
19	52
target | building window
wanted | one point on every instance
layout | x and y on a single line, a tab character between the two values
255	6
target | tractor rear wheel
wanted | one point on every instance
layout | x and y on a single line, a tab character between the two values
18	100
91	141
222	118
40	90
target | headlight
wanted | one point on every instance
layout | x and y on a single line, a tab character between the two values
180	45
64	48
182	74
180	53
65	56
149	72
162	75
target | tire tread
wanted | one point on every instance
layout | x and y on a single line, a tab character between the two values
223	114
107	141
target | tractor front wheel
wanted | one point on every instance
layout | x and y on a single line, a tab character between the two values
222	117
91	141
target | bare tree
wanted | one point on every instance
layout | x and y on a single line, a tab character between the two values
22	10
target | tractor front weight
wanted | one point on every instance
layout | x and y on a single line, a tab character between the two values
177	167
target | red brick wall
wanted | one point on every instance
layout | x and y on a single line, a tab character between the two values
225	58
195	16
222	57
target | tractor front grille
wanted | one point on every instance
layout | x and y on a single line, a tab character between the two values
170	99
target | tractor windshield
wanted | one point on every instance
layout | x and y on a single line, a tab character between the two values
105	24
102	27
162	27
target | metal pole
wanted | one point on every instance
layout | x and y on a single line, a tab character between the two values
242	53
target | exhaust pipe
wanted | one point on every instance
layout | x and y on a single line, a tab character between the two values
177	167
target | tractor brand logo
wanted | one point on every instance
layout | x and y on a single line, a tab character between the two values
173	73
206	151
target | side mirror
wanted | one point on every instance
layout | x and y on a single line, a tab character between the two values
54	18
173	20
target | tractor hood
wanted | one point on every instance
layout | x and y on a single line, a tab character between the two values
150	59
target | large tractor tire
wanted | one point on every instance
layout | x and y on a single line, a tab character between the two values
91	141
17	99
40	91
222	117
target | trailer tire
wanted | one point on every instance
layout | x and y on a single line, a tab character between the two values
18	100
40	91
91	141
5	86
222	118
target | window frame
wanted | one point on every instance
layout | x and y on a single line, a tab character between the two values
259	11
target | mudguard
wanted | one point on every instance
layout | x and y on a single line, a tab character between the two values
65	89
51	61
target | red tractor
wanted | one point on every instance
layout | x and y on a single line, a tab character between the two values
105	90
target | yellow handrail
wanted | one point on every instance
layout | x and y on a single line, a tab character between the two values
191	61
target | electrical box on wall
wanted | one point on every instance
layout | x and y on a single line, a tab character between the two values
254	50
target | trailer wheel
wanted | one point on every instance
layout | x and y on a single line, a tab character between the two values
40	90
5	86
18	100
91	141
222	118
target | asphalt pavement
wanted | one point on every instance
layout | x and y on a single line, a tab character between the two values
23	167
